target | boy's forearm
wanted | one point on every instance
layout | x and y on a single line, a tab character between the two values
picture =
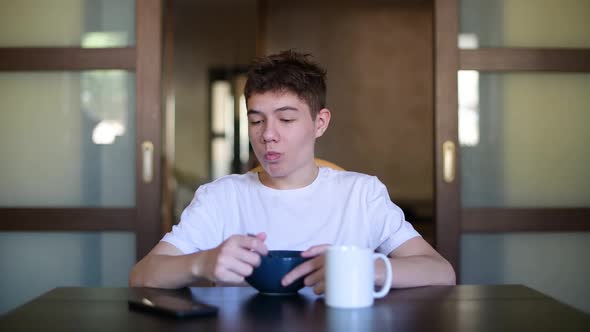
165	271
414	271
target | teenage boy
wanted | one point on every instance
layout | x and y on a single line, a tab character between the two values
292	205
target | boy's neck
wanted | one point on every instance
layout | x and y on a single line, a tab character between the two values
303	177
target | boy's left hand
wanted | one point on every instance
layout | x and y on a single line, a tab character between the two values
313	269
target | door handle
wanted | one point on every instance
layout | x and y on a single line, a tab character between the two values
147	153
448	161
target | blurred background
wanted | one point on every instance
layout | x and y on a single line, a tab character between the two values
380	88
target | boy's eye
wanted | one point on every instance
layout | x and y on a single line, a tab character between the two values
255	122
287	120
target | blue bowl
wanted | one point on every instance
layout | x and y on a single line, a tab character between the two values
266	278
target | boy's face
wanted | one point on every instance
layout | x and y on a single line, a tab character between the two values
282	132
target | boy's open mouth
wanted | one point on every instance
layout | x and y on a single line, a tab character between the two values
272	156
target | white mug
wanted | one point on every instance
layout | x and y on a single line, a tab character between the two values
350	277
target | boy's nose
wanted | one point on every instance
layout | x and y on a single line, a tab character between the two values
269	134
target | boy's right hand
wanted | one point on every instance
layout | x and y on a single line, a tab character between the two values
232	260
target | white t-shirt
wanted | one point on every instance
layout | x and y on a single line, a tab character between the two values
338	208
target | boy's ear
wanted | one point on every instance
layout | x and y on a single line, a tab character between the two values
322	120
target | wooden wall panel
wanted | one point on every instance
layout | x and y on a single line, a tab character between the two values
379	57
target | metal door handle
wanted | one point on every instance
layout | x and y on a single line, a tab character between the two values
448	161
147	152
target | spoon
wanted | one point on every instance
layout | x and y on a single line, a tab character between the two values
254	235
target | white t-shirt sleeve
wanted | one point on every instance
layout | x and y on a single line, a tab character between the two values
389	228
199	227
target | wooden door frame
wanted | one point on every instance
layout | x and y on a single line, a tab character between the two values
447	209
145	59
148	226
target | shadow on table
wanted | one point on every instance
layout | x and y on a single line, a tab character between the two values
271	308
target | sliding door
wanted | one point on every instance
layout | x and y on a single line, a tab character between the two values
79	142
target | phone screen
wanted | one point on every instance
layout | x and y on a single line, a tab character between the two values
172	305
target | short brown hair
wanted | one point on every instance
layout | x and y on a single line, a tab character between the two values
289	71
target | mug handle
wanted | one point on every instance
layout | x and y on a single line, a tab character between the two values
385	289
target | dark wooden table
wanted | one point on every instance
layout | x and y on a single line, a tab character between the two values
458	308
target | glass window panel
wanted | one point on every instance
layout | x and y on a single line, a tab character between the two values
67	139
98	259
240	83
222	124
524	23
67	23
222	151
549	262
244	139
222	106
532	140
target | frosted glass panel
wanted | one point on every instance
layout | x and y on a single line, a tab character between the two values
524	23
60	23
33	263
551	263
67	139
530	147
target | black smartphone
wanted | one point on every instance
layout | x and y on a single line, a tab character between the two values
172	306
